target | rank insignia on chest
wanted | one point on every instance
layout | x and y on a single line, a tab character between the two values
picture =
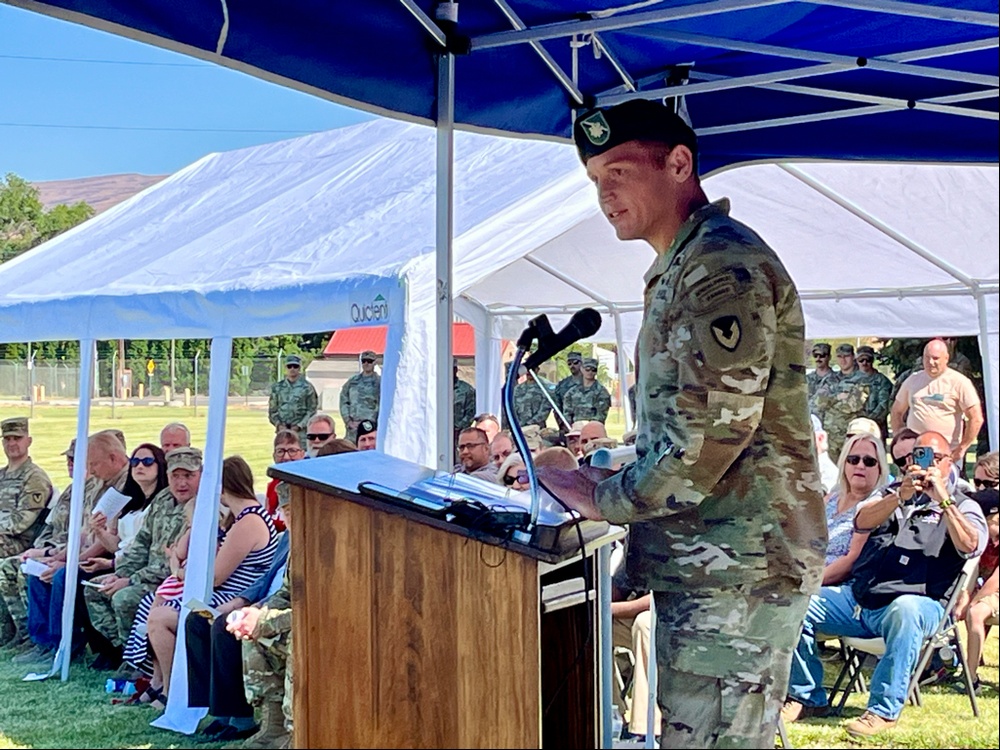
727	332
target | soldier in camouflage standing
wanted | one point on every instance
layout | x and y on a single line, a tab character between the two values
144	564
293	400
465	401
844	400
268	666
359	398
822	379
587	401
724	499
25	491
879	389
574	360
530	404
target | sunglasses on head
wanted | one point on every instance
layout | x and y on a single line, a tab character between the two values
521	477
146	461
319	435
869	461
986	484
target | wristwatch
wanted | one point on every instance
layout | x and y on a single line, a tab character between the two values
948	501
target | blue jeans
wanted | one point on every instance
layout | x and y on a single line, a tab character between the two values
903	625
45	606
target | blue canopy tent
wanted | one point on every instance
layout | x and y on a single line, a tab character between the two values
758	79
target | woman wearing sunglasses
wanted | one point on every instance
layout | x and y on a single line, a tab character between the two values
863	472
147	475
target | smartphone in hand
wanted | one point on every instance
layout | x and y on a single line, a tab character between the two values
923	456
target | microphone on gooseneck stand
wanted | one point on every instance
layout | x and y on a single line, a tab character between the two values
583	324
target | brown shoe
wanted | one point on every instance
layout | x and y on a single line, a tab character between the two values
869	725
794	711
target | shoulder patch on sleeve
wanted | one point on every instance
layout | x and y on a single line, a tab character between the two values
706	291
727	332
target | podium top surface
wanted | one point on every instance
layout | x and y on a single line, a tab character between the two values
420	494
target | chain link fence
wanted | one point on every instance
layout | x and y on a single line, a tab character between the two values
138	379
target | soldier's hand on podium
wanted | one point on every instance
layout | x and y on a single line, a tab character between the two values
575	488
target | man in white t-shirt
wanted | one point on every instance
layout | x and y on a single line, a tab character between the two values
940	399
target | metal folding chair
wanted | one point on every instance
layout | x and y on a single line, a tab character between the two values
857	650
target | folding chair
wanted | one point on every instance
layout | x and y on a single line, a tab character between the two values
857	650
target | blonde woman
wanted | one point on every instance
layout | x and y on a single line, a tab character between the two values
862	472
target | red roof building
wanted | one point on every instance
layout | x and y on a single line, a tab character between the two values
353	341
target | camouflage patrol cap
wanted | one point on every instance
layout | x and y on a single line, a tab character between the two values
864	351
576	427
184	458
368	354
14	427
846	349
551	438
602	129
293	359
574	357
590	362
284	492
532	436
71	451
822	349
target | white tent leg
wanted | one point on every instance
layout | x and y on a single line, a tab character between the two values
87	359
201	559
988	351
623	373
445	229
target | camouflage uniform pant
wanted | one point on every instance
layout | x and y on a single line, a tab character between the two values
268	672
13	595
723	660
112	617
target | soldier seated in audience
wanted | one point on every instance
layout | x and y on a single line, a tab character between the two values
367	435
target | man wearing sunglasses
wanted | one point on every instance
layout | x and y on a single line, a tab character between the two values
879	389
293	399
844	400
359	398
823	375
319	432
588	400
922	530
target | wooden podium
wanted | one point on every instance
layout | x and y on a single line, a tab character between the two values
413	631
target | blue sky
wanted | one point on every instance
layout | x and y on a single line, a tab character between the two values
142	109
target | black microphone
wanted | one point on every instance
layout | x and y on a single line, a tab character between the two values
583	324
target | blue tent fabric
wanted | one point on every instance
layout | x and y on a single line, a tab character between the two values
882	102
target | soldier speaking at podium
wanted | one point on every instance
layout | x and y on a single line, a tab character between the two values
723	503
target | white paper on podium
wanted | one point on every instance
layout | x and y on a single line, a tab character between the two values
111	503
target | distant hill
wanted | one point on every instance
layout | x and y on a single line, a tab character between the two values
99	192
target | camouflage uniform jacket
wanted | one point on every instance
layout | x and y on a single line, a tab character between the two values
465	404
144	561
24	494
878	404
292	403
725	489
587	404
846	402
530	403
276	612
55	535
820	386
562	387
359	398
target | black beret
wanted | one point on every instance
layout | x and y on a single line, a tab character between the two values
599	130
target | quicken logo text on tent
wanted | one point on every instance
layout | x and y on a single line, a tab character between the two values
377	309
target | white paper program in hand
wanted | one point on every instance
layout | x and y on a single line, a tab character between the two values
111	503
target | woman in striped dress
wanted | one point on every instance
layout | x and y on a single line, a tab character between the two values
245	554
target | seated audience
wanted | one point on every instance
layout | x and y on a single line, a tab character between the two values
488	423
558	458
983	605
501	447
244	555
474	454
863	472
921	531
901	450
174	435
286	448
513	473
320	430
573	438
630	628
863	425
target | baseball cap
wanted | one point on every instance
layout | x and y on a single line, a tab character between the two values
988	500
184	458
590	362
293	359
368	354
845	349
863	425
574	357
601	129
71	451
865	351
14	427
821	348
576	427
